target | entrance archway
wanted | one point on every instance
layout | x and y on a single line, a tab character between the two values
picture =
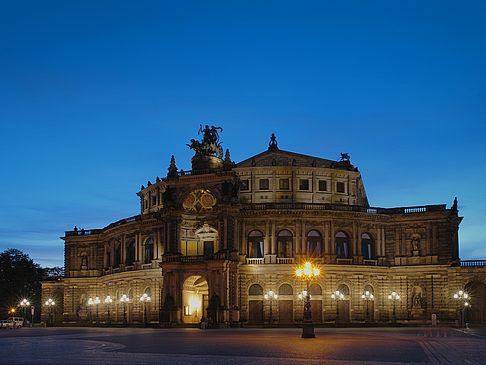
194	299
476	314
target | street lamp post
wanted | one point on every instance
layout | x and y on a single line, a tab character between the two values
144	299
462	299
49	303
25	303
96	302
394	297
271	295
337	296
367	296
108	301
90	305
124	299
307	272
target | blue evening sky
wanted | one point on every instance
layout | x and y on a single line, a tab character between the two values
95	96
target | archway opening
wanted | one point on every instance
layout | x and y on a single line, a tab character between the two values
194	299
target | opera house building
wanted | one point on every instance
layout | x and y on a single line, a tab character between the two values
210	244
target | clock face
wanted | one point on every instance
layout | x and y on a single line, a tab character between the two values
199	200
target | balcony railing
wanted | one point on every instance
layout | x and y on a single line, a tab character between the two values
346	208
370	262
255	261
285	260
473	263
344	261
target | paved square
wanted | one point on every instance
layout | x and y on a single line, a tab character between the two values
241	346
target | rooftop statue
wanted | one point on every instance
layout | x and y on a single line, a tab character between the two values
344	156
210	144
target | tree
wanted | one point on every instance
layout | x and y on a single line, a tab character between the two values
20	278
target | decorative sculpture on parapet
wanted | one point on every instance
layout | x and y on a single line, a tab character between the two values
344	157
210	144
273	145
454	205
172	169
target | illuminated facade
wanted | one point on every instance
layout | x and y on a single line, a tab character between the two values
211	242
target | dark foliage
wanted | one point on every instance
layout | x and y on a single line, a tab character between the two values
21	278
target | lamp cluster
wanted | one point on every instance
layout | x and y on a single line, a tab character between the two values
307	271
462	296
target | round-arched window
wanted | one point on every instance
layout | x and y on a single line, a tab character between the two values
315	289
255	244
314	244
342	246
284	243
285	289
367	246
255	289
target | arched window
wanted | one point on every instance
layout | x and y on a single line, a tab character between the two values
255	289
369	288
342	246
130	253
315	289
366	246
149	250
255	244
284	243
285	289
314	244
117	258
343	288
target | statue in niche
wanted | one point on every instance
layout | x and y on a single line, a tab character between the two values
84	262
415	241
210	144
417	301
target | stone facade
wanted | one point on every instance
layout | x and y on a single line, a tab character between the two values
210	242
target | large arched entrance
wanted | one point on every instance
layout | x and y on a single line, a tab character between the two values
476	314
194	299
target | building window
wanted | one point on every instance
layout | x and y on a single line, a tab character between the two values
285	289
145	204
245	185
154	200
130	253
264	184
314	244
366	246
340	187
283	184
342	247
284	243
255	289
322	185
149	251
304	184
255	244
208	248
